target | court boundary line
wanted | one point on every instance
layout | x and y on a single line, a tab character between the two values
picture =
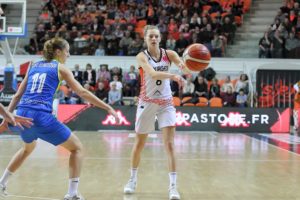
30	197
159	159
274	146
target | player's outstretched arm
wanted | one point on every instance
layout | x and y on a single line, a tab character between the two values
66	74
174	57
143	62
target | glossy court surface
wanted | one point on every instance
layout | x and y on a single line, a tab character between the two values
211	166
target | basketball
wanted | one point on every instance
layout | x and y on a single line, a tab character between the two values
196	57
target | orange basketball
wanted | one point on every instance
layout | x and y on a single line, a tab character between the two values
196	57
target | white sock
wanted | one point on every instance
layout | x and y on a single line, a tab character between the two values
134	172
172	177
5	176
73	186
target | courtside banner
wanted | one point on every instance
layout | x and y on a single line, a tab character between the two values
256	120
275	87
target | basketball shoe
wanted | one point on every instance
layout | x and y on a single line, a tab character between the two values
76	197
173	193
130	187
3	192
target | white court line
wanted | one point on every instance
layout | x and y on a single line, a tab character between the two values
272	145
162	159
29	197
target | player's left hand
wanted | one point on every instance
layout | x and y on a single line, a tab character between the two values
115	114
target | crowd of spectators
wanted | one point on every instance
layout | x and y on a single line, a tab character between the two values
116	27
113	85
281	40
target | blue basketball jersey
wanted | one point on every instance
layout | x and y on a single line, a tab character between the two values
42	84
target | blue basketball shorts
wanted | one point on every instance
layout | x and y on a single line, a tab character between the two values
45	127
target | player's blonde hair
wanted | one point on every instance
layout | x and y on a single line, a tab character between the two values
51	46
149	27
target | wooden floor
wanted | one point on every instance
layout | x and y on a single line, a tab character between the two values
210	167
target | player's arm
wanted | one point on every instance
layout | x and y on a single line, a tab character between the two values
174	57
17	97
143	62
66	74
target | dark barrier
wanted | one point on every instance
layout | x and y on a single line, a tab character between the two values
275	87
256	120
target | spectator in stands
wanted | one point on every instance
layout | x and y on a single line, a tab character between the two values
114	95
104	73
33	46
214	90
291	44
162	27
242	83
100	51
101	92
89	75
117	71
241	99
125	42
277	44
216	45
264	46
228	29
140	12
201	89
181	44
78	74
228	97
171	43
131	82
175	88
226	84
135	46
119	85
188	88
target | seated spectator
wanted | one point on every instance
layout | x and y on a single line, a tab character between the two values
116	71
116	81
291	44
101	92
216	45
277	44
89	75
242	83
264	46
226	84
228	97
131	82
64	93
100	51
241	99
125	42
77	74
181	44
174	88
114	96
214	90
104	73
228	29
200	87
171	42
188	88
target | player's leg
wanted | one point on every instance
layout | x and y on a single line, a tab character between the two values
14	164
145	119
74	145
168	139
167	121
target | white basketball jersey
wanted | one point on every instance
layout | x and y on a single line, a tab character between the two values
156	91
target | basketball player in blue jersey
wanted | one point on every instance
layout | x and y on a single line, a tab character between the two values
34	100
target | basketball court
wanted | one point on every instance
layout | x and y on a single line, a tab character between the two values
211	166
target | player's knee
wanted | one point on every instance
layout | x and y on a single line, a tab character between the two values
169	145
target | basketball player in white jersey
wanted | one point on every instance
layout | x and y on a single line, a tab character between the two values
155	100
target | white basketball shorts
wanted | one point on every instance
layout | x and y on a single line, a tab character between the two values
147	113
